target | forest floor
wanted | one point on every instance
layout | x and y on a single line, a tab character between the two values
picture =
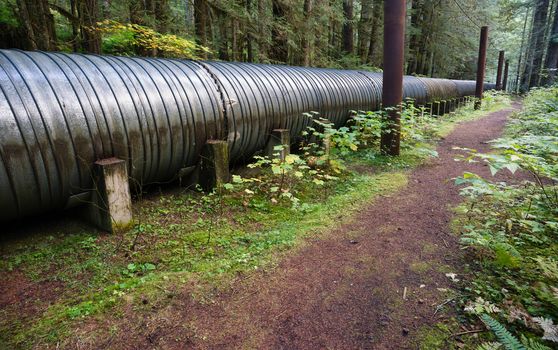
376	281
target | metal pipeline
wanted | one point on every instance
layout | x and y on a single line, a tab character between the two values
60	112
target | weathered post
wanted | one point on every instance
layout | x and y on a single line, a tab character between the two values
499	70
481	64
505	82
392	92
111	205
282	138
214	165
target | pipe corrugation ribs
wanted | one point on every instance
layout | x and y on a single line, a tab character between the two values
465	87
60	112
439	89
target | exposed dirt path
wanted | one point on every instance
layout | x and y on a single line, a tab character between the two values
345	290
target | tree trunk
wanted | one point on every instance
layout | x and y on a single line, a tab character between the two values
137	11
38	24
426	43
162	14
552	54
364	28
89	16
537	38
75	25
248	30
263	34
348	35
307	34
415	31
201	11
376	21
518	72
279	46
234	41
223	37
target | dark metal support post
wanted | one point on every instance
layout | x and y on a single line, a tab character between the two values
499	71
505	82
481	64
392	92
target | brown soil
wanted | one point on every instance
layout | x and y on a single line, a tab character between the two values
344	290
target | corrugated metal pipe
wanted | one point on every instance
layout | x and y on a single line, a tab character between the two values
61	112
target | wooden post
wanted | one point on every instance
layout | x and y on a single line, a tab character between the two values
111	205
214	165
481	64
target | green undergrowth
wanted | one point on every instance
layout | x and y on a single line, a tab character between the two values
509	231
446	335
185	239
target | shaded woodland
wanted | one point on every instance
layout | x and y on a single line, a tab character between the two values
442	35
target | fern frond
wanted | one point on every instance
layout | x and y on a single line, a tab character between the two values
508	340
490	346
532	344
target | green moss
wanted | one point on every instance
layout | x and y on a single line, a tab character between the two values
429	248
434	338
420	266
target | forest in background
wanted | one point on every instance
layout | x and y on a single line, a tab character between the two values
441	35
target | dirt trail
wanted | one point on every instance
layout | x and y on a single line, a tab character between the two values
345	290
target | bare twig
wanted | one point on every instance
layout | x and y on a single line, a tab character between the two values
467	332
439	307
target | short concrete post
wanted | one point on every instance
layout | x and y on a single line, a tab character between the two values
320	127
279	137
111	207
214	165
438	103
